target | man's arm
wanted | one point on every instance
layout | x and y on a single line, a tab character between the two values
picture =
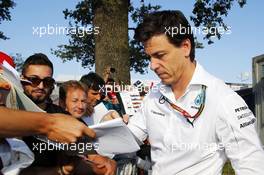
235	129
137	125
57	127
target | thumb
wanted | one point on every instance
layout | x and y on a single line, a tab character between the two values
115	115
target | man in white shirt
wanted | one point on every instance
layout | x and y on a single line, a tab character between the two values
193	121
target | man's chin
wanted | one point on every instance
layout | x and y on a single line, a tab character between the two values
38	100
77	115
166	81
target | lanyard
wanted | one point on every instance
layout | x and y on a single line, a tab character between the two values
185	113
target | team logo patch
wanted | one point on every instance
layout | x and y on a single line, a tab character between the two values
198	100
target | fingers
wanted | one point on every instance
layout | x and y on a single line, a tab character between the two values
126	118
110	167
115	115
110	116
67	129
62	138
71	139
89	132
67	169
4	85
100	165
103	163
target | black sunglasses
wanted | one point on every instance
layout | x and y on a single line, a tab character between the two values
35	81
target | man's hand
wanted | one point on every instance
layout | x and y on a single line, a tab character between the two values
4	90
126	118
102	163
4	85
112	115
66	129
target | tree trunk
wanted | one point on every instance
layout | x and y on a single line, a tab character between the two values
111	44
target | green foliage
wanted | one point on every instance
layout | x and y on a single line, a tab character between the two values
82	48
210	13
137	14
19	61
139	61
5	6
206	13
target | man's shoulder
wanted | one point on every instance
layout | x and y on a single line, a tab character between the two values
221	89
53	108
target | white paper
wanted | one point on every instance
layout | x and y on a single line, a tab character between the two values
21	157
114	137
99	111
131	101
11	74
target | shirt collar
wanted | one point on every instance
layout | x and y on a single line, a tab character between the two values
200	77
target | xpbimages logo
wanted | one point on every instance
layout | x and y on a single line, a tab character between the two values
62	30
55	146
182	30
130	88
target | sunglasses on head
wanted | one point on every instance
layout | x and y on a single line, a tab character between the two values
35	81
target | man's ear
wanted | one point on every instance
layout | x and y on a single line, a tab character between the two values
186	46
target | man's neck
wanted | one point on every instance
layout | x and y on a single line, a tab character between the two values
42	105
180	86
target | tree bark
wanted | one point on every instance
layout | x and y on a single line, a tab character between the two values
111	44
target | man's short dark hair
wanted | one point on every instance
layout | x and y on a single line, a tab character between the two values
160	22
37	59
93	81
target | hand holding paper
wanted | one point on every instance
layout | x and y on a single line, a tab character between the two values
114	137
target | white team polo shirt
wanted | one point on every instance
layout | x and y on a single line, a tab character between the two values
224	129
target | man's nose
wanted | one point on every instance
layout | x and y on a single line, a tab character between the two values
81	105
41	85
98	97
153	64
